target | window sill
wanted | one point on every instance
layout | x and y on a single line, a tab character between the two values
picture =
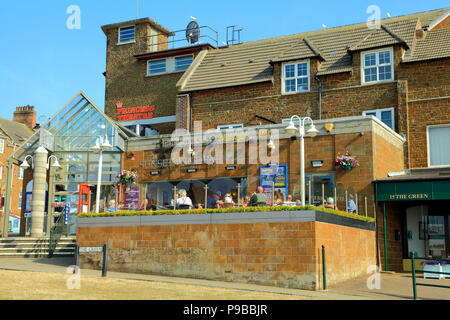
377	82
164	73
128	42
295	92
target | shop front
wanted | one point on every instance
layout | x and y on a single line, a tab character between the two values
416	206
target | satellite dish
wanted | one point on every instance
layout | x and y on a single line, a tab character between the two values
192	32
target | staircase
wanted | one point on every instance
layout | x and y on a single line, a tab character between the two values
36	247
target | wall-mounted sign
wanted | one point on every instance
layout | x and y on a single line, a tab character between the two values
317	163
230	168
191	170
155	173
135	113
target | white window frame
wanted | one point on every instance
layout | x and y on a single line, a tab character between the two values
159	73
129	41
1	172
428	146
230	126
170	65
2	146
378	115
377	65
20	173
283	76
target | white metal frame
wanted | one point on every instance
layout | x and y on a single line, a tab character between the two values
230	126
378	116
377	65
283	76
428	145
2	146
125	42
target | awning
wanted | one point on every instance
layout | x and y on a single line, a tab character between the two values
413	190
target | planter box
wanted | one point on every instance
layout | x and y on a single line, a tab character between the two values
433	268
446	269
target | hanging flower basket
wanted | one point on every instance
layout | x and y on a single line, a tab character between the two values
127	177
346	162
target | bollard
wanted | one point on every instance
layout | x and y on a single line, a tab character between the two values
77	256
105	260
324	269
413	268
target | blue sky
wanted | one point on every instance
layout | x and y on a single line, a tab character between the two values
45	64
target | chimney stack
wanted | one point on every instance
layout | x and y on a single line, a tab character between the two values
25	115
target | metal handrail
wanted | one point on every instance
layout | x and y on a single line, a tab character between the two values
414	271
55	234
146	42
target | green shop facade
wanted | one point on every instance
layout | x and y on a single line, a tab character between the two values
414	216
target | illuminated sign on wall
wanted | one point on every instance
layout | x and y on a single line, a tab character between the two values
134	113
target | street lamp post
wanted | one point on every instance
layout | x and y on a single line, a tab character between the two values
101	144
312	132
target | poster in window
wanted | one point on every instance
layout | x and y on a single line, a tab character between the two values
132	197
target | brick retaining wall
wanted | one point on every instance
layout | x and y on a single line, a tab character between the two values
278	249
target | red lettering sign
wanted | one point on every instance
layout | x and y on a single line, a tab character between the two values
136	113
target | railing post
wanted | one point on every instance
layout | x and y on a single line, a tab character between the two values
413	268
324	270
105	260
77	257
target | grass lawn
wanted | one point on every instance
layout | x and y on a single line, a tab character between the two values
22	285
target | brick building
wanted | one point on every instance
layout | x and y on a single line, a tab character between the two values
12	135
398	73
380	94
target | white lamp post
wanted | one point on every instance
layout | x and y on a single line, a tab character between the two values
312	132
101	144
25	165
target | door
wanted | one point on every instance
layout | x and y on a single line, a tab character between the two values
436	235
84	201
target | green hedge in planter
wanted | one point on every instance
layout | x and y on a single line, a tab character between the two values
228	210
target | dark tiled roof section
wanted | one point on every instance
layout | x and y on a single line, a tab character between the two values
435	45
17	132
302	49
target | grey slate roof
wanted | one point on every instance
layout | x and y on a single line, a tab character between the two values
252	62
17	132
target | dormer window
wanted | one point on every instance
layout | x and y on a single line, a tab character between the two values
126	35
377	66
295	77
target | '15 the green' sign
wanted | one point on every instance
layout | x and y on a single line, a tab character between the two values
414	190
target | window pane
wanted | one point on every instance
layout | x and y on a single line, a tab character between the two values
302	69
303	84
370	74
385	57
385	73
370	60
157	67
126	34
290	71
183	63
386	117
290	85
439	146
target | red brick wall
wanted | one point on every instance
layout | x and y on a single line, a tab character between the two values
276	254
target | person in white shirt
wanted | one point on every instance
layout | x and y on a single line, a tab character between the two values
228	198
183	199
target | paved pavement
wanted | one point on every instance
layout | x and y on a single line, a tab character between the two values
397	286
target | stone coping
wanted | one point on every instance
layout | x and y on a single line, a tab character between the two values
226	218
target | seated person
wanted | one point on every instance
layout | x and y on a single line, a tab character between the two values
258	199
278	198
228	201
112	206
183	201
214	200
330	204
245	201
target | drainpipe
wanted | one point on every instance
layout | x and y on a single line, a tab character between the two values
320	96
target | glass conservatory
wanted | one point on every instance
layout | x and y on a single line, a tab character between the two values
84	149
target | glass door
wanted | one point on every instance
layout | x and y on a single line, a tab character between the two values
437	234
